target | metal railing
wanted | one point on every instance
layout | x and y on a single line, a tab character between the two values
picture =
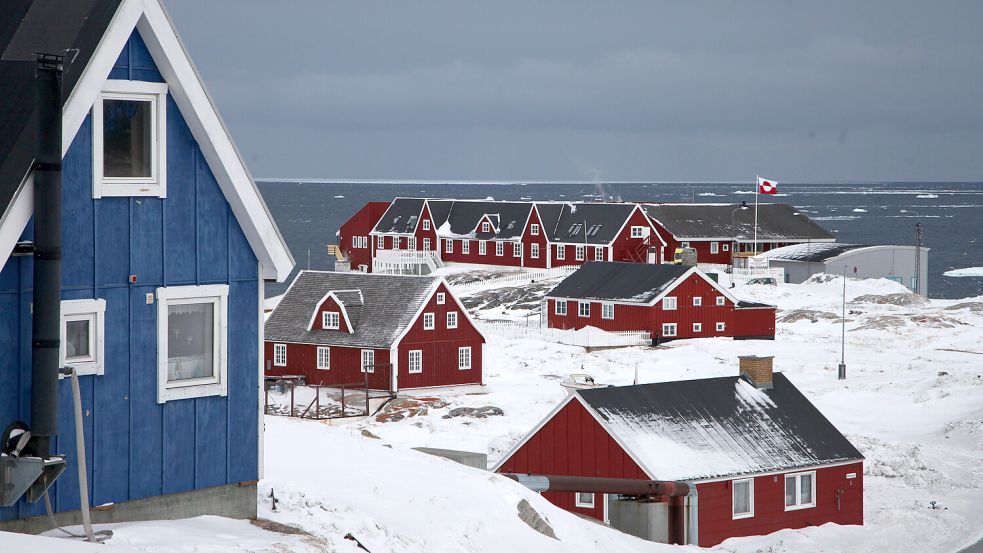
291	396
406	262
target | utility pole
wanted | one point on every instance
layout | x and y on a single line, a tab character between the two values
918	256
842	368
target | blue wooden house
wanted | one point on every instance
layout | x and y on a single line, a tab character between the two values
166	244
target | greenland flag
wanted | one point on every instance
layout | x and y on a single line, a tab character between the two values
766	186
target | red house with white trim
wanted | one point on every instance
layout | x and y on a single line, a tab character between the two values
404	331
669	301
760	456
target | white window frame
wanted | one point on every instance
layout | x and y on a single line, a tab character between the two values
448	246
426	224
279	355
581	252
714	247
583	309
697	327
396	242
441	298
499	248
426	244
721	301
684	244
330	320
733	498
417	356
323	358
534	229
669	330
94	312
464	358
697	301
367	361
583	504
485	226
798	490
380	243
465	247
669	303
534	251
482	247
428	321
598	253
411	243
561	252
452	319
721	327
607	311
215	385
156	184
726	246
517	249
560	307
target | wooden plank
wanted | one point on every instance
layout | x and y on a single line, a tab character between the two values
179	215
146	416
111	425
211	441
211	220
77	210
243	382
179	446
112	229
146	241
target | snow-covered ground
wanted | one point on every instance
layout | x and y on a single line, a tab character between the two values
912	403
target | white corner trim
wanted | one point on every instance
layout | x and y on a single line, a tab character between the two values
15	219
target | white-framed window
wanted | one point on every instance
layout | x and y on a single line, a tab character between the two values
279	355
607	311
742	498
584	500
411	242
323	358
441	298
721	327
426	224
721	301
534	251
452	319
669	303
684	244
464	358
637	232
354	241
482	247
714	247
561	252
465	246
697	301
368	360
330	320
800	490
726	247
668	329
426	244
499	248
380	242
697	327
448	246
485	226
83	335
580	253
534	229
192	328
428	321
560	307
517	249
598	254
396	242
583	308
415	366
129	139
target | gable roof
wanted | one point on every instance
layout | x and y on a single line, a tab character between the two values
388	305
509	219
99	29
775	221
401	217
718	427
619	281
590	223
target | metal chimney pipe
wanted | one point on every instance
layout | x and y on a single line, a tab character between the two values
46	322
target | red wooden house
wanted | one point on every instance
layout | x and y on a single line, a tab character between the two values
760	455
353	236
669	301
404	331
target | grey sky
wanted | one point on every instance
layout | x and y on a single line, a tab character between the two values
871	90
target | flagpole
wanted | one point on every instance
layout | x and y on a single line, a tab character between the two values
757	185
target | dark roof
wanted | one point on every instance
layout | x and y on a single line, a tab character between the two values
775	221
380	307
719	427
549	215
752	304
51	26
618	281
811	253
509	217
440	210
401	217
590	223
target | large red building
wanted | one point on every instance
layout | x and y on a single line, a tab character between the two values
669	301
760	455
402	331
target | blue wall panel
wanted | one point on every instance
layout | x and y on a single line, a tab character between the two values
78	212
146	417
111	424
180	265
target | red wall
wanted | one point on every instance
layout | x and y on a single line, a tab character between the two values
507	258
528	240
626	248
754	322
330	304
346	365
571	254
361	224
573	444
716	522
421	234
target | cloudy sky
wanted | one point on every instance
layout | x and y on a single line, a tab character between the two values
647	90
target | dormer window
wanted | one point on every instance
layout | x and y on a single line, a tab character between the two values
485	227
330	320
129	139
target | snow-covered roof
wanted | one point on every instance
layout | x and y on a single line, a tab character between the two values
381	307
822	252
401	217
718	427
775	221
618	281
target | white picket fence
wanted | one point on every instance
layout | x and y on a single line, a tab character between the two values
518	277
588	337
741	276
406	262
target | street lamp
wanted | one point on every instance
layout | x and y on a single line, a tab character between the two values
733	232
918	249
842	368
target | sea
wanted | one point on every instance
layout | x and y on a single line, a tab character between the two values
309	212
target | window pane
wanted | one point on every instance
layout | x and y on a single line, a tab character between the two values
127	128
790	492
190	341
742	498
805	485
77	339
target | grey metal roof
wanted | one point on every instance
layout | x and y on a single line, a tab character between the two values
618	281
590	223
775	221
440	210
381	309
401	217
549	215
719	427
509	217
812	252
51	26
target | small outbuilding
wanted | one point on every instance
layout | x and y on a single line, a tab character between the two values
907	265
760	456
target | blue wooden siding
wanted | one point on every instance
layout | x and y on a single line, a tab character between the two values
135	447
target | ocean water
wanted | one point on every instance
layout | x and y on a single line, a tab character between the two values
309	213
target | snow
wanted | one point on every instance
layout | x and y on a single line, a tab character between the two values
927	196
859	210
966	272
